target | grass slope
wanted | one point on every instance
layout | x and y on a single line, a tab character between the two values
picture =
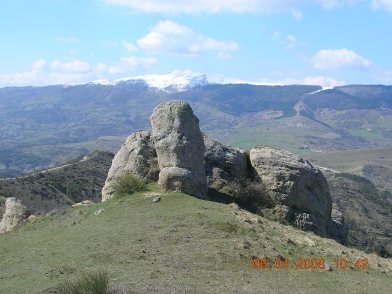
178	245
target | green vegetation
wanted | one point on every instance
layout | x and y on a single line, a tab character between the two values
88	283
60	187
366	209
171	246
249	195
363	186
127	184
365	134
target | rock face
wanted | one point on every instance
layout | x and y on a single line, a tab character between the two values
136	155
223	164
339	229
298	190
15	213
180	148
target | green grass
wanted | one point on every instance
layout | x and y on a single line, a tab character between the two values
365	134
180	244
88	283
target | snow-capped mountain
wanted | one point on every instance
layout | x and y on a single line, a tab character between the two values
173	81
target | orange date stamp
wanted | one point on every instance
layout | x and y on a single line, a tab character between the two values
313	263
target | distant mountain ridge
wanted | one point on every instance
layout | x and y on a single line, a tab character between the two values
42	127
170	82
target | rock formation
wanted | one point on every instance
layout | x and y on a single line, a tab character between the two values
136	155
15	213
180	148
298	190
223	164
338	227
289	188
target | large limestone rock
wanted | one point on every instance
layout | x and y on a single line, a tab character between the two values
223	164
298	190
136	155
180	148
15	213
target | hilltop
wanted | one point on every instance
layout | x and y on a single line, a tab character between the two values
178	244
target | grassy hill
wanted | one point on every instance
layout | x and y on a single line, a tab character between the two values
181	244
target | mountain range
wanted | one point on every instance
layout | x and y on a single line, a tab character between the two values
42	127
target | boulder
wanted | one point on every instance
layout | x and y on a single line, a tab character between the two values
223	164
296	185
83	203
15	213
180	148
136	155
338	227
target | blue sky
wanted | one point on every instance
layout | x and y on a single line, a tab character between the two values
325	42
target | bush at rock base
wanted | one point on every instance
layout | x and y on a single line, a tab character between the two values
127	184
250	195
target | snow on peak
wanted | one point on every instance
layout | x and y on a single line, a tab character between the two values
177	81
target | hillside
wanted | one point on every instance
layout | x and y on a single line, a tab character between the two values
367	207
178	244
367	210
45	126
59	187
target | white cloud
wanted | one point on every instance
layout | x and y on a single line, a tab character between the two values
18	78
292	42
322	81
173	38
309	80
39	64
297	14
130	47
127	64
45	72
334	59
387	4
215	6
71	66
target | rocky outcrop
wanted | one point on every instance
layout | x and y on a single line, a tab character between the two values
338	227
136	155
279	184
15	213
180	148
223	164
298	190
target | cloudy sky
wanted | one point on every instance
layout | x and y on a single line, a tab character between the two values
327	42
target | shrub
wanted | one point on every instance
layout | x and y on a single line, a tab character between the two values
88	283
127	184
250	195
2	200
